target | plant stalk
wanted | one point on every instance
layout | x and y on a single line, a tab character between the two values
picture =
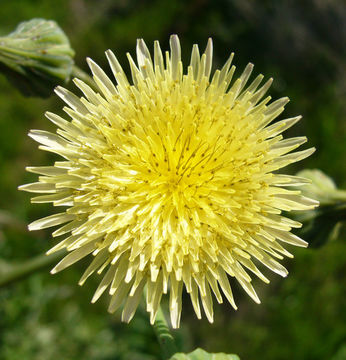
164	336
17	272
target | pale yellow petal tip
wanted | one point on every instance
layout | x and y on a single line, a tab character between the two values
110	56
126	319
28	169
90	61
305	245
210	320
95	298
59	90
315	204
112	291
77	81
33	227
254	296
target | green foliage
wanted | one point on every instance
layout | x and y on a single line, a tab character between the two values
200	354
41	319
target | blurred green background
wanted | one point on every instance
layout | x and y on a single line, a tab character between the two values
302	45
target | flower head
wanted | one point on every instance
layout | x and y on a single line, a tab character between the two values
169	180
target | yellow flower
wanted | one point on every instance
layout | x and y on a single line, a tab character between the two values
169	181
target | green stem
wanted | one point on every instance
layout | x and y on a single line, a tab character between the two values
82	75
19	271
164	336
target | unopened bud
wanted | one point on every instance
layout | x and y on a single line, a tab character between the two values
322	188
36	57
324	223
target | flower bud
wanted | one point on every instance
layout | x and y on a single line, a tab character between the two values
324	223
36	57
322	188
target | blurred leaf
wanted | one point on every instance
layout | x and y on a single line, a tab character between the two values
7	219
341	354
36	57
200	354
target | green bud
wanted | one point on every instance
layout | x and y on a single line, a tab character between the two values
322	188
36	57
324	223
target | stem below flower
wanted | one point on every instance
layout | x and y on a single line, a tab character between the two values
164	336
16	272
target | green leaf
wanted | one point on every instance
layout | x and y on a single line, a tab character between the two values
200	354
